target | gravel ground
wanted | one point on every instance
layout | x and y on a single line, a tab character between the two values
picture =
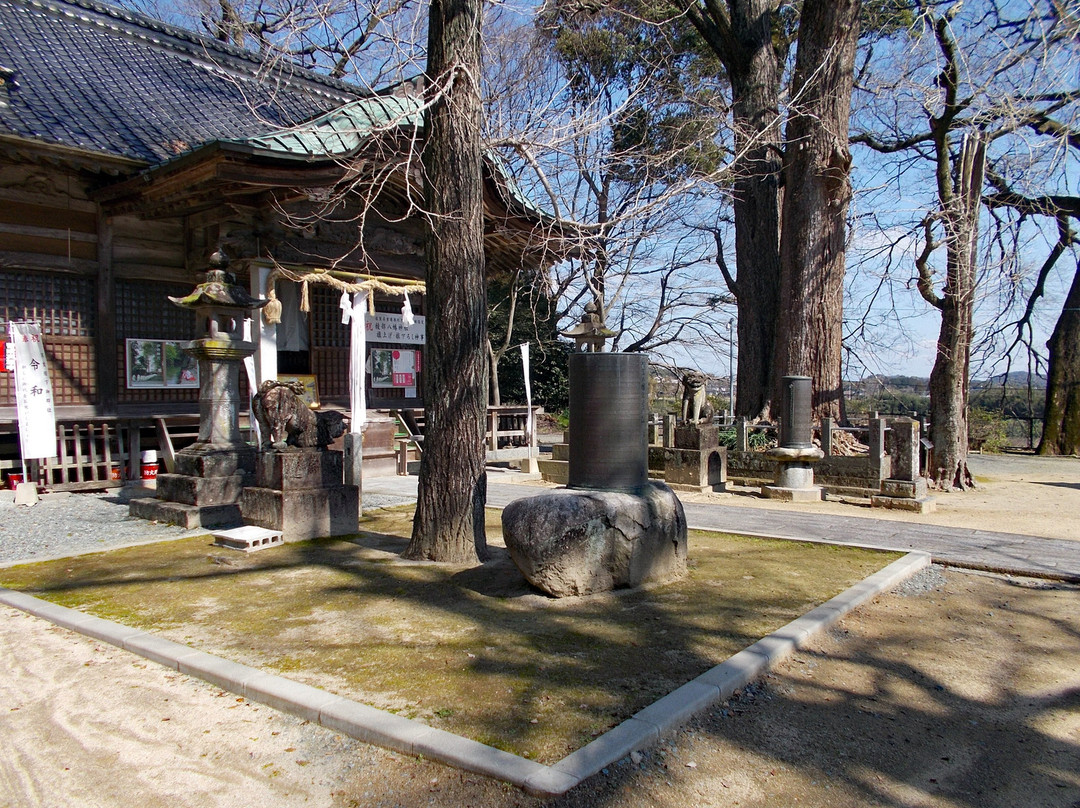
70	524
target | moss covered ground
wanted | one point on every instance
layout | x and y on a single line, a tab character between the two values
474	651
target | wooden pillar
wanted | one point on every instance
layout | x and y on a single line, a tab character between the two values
109	372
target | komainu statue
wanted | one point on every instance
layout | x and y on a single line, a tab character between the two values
285	420
695	406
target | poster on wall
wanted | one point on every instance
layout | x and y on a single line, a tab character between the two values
157	363
391	367
310	396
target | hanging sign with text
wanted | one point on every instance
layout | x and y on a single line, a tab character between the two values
33	392
382	327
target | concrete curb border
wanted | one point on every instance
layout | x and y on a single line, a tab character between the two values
404	735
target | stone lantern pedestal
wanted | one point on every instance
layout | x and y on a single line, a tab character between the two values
796	454
204	490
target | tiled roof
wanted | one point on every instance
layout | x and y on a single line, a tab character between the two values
340	132
84	74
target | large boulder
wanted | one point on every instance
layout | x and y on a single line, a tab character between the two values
577	542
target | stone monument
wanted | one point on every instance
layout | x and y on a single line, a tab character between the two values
298	487
796	454
611	527
204	491
694	460
905	488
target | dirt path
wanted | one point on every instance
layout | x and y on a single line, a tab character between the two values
1016	494
961	690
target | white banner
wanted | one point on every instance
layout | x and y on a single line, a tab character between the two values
354	314
528	388
33	392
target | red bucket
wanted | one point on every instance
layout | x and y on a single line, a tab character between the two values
13	481
149	465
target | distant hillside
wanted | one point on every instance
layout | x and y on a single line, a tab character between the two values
1018	378
872	385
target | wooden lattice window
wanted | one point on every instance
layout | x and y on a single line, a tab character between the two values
144	311
64	306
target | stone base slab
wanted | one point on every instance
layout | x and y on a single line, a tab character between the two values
201	491
304	514
205	460
914	505
912	489
720	488
186	516
811	494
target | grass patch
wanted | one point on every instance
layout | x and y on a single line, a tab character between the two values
471	650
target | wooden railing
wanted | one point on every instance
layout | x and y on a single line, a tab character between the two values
508	437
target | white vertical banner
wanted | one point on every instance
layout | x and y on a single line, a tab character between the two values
253	390
33	392
355	315
528	389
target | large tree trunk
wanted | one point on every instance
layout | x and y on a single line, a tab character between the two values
816	196
949	397
949	378
449	521
742	38
1061	420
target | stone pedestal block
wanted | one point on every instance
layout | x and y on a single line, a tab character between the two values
304	514
300	493
905	495
204	491
575	542
700	438
300	469
794	478
690	469
201	491
912	489
209	461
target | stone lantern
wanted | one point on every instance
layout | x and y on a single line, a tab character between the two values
590	334
221	308
210	475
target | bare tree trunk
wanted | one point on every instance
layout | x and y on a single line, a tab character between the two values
816	196
1061	420
949	378
741	35
449	521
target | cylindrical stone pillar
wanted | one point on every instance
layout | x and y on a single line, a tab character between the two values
609	395
796	421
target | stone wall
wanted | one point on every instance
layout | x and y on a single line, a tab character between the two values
854	476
